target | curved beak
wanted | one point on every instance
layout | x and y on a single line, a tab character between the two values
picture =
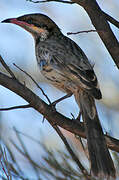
28	27
15	21
8	20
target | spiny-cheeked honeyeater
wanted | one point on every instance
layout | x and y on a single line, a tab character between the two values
64	65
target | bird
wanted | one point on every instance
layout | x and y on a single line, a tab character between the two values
64	64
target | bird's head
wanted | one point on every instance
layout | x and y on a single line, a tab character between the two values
38	25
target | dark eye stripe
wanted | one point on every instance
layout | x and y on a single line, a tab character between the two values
36	24
30	21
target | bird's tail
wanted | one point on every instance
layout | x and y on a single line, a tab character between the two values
101	162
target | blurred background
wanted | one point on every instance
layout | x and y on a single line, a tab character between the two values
17	46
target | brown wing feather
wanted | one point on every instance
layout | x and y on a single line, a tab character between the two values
74	64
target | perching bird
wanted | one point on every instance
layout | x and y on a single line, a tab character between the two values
64	65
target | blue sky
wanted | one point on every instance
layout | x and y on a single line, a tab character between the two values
17	46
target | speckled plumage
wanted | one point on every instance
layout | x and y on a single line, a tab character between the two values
64	64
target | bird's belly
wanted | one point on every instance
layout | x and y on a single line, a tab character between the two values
58	80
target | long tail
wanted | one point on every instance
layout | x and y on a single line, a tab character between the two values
101	162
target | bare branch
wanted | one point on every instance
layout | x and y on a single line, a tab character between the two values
67	2
61	99
7	164
111	19
24	150
33	81
7	67
74	157
70	33
108	17
52	116
15	107
3	165
27	136
102	26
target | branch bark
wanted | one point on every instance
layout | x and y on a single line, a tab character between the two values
99	20
54	117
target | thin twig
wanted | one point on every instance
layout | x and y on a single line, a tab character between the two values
70	33
74	157
84	149
26	153
15	107
67	2
7	165
3	166
43	119
33	81
14	165
4	170
27	136
73	117
61	99
7	67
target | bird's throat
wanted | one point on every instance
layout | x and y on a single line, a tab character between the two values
42	33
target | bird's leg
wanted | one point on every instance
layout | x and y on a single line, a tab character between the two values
60	99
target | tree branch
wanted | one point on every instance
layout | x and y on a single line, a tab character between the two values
52	116
87	31
7	67
67	2
73	155
111	19
15	107
99	20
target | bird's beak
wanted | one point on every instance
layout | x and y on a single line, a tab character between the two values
12	20
15	21
28	27
6	21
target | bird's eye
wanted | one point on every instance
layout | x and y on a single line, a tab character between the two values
50	29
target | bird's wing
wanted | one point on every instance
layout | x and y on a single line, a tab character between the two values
80	72
73	64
